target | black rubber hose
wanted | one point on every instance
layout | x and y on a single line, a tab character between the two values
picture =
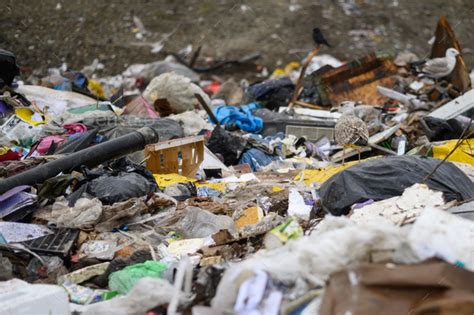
89	157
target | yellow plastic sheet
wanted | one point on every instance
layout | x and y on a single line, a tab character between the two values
215	186
29	116
4	150
95	87
323	174
276	188
164	180
294	65
464	153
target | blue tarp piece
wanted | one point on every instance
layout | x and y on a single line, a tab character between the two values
240	117
257	158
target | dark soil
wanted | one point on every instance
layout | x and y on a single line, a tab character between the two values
47	33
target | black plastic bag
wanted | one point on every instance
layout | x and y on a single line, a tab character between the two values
116	181
388	177
8	68
272	93
123	186
226	144
439	129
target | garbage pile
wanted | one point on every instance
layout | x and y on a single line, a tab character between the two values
328	187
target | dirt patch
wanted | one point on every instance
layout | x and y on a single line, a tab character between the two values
49	32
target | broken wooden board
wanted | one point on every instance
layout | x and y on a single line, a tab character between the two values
356	80
181	156
455	108
445	39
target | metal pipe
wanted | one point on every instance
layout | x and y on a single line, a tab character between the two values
89	157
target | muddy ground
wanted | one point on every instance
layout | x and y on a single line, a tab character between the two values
47	33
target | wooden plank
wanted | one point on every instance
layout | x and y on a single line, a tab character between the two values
164	157
174	143
171	163
198	157
187	156
152	163
456	107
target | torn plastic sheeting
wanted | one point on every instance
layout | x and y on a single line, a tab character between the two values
145	295
197	223
124	280
139	107
176	89
56	101
336	244
255	298
192	122
388	177
86	213
437	233
120	213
